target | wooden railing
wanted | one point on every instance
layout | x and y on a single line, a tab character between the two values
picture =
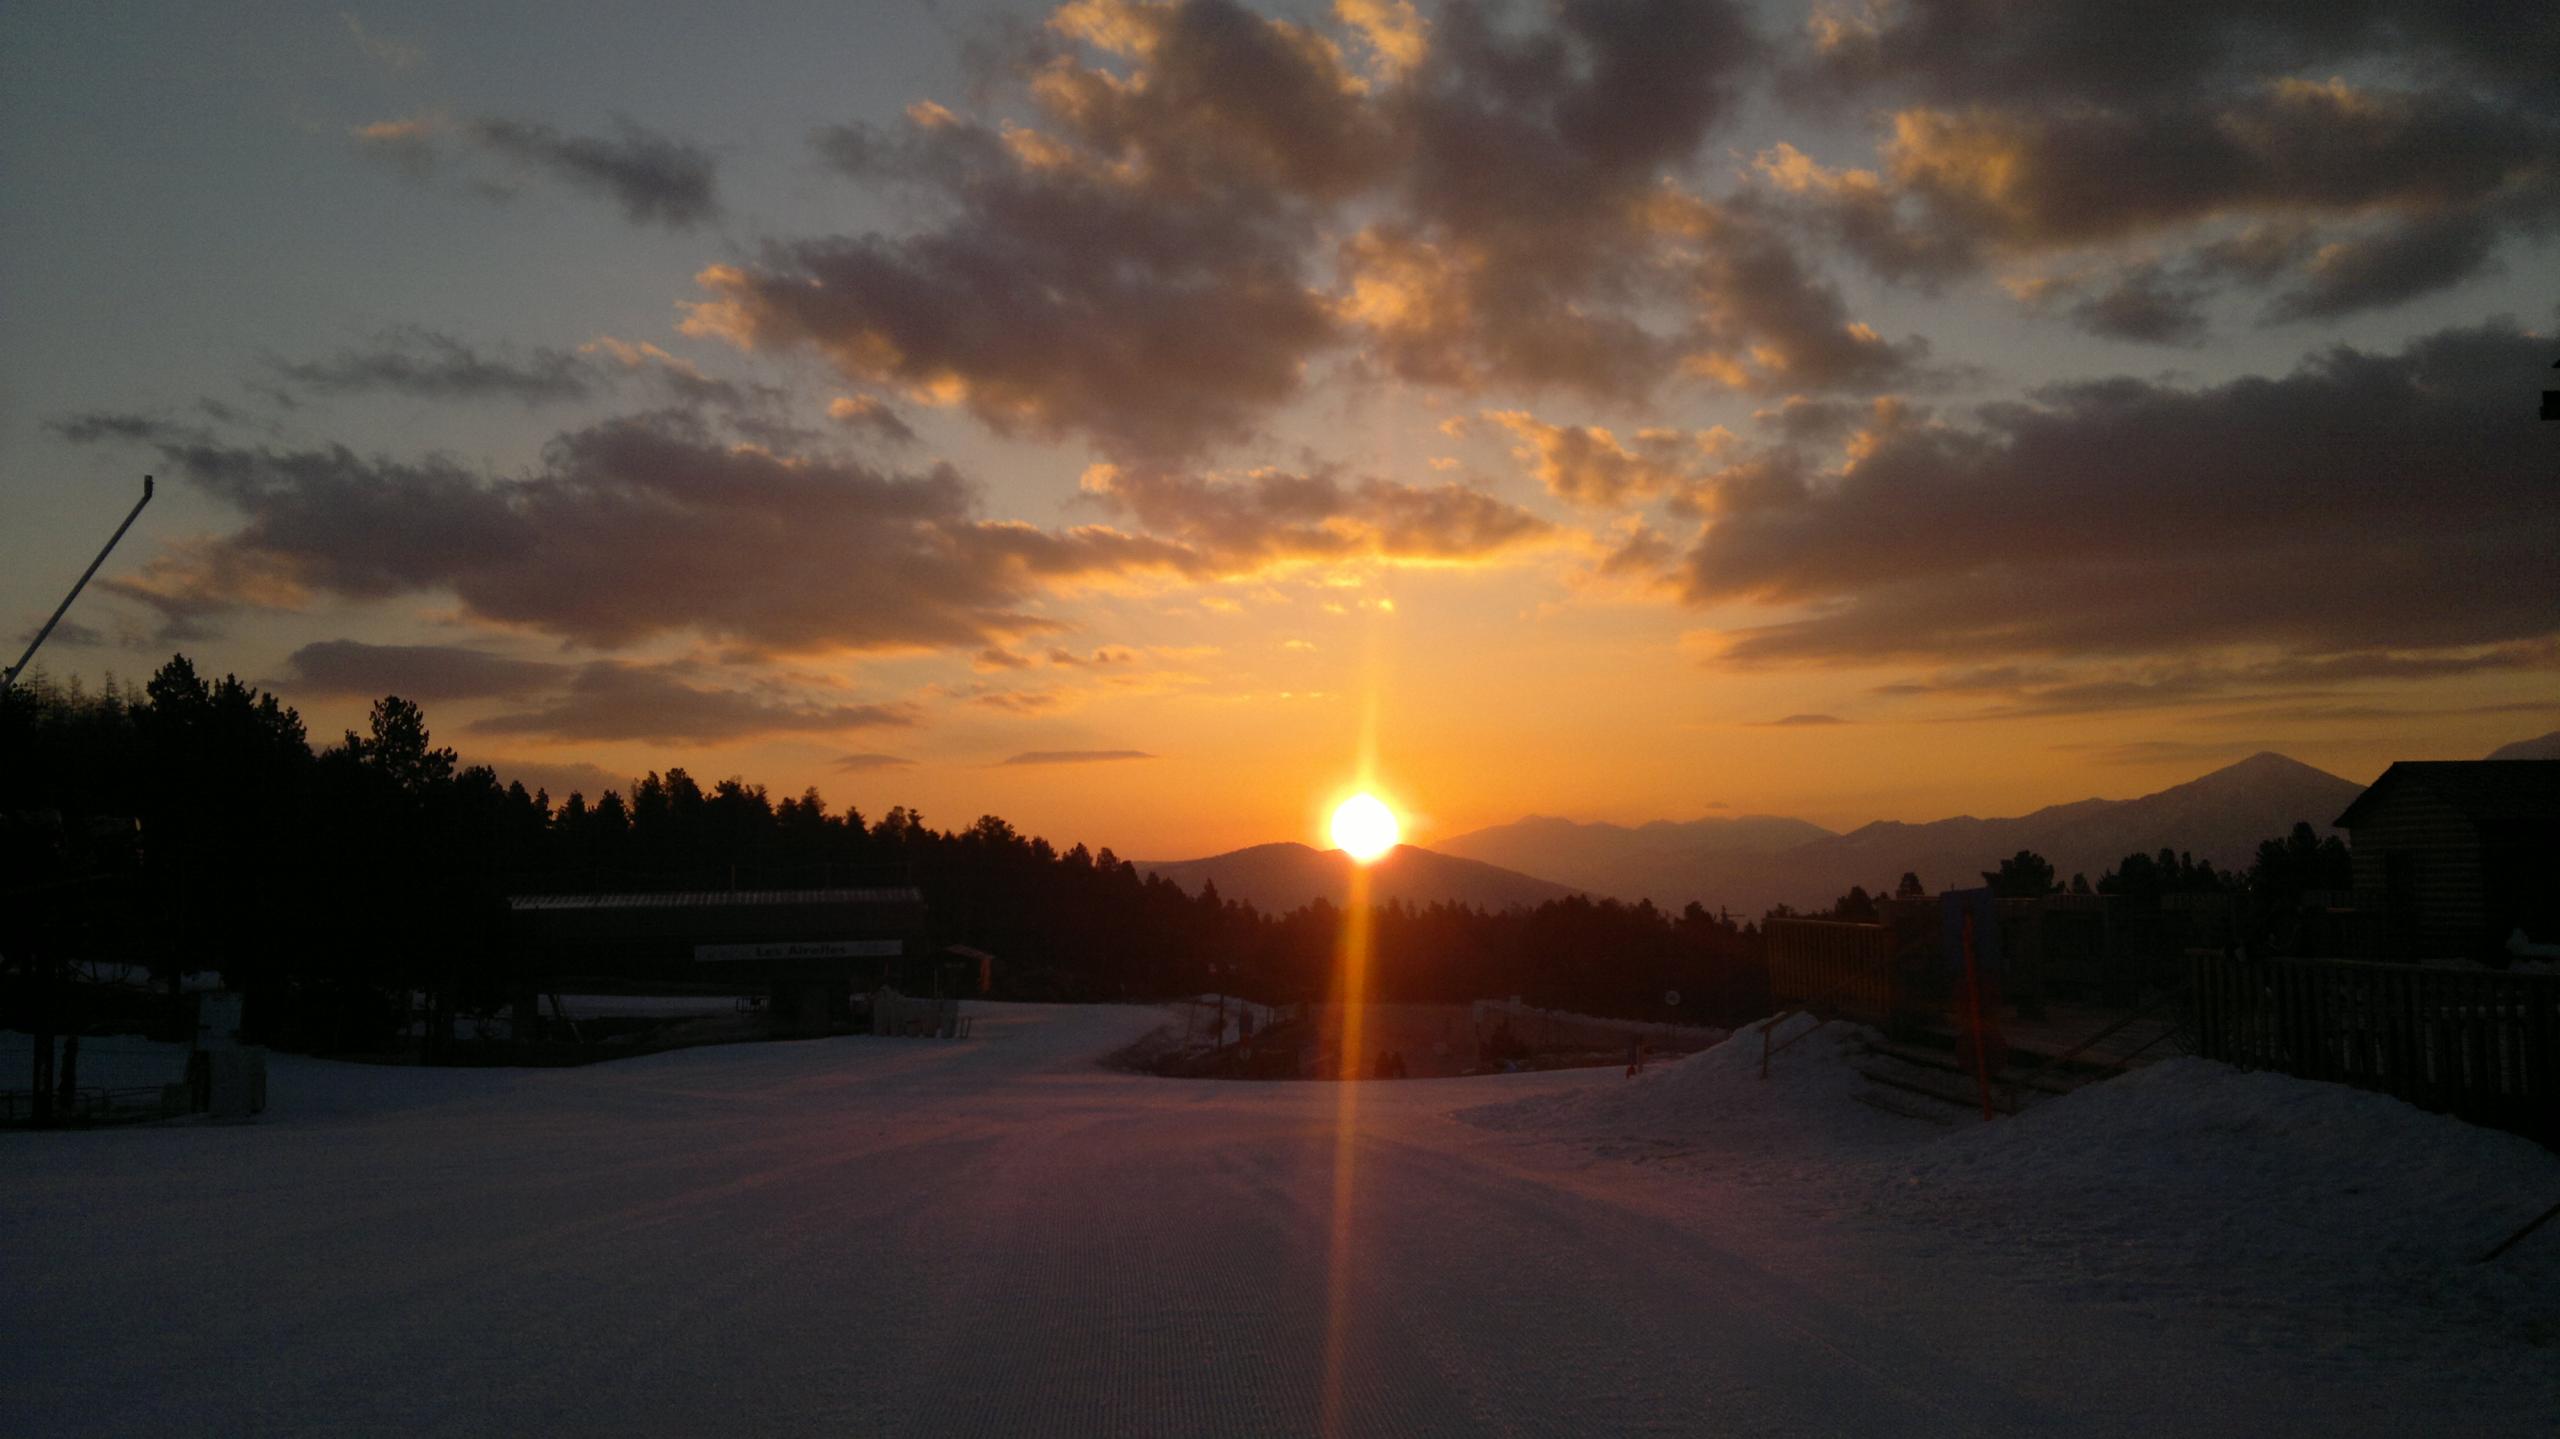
1849	965
2476	1043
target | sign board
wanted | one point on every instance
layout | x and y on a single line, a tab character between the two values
802	949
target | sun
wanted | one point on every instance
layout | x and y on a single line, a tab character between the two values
1364	828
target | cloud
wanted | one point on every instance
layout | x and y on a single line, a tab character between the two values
1184	206
2147	303
2082	126
2127	517
858	763
637	527
419	672
412	360
868	415
610	700
682	381
1272	516
656	179
2288	687
67	632
645	525
1054	300
1806	721
1591	466
97	426
1075	756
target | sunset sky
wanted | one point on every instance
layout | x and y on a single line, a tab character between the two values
1105	415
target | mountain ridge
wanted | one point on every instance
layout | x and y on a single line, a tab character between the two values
1282	875
2218	816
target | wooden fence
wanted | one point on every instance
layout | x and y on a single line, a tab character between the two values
2476	1043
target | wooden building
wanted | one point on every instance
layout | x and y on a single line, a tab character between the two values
2459	854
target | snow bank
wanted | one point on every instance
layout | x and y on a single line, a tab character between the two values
2190	1176
2186	1181
1795	1126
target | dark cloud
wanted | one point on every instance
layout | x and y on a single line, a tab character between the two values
656	179
67	632
2365	503
2287	689
2017	132
1804	721
91	428
1979	51
420	672
644	526
609	700
2144	302
2397	261
860	762
1768	323
413	360
636	527
1273	516
1522	244
1076	756
1101	277
421	363
1130	264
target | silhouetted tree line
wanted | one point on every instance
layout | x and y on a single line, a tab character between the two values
192	827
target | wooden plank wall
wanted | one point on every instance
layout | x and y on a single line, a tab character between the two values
2477	1043
2446	888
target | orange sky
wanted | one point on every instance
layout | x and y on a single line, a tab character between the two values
1125	431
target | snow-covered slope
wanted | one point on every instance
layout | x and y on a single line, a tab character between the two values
998	1236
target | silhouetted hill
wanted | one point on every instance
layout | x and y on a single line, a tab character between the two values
2543	747
1657	858
2219	817
1276	878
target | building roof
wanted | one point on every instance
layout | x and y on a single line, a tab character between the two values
717	898
2485	791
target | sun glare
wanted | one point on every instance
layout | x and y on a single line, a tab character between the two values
1364	828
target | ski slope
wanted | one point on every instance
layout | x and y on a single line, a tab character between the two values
998	1236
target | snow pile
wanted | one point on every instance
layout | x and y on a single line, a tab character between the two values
2181	1183
1798	1125
2190	1176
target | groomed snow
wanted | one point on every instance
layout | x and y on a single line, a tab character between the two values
999	1236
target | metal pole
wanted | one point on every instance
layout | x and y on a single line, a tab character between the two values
11	677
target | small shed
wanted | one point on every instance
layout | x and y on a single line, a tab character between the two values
2459	854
